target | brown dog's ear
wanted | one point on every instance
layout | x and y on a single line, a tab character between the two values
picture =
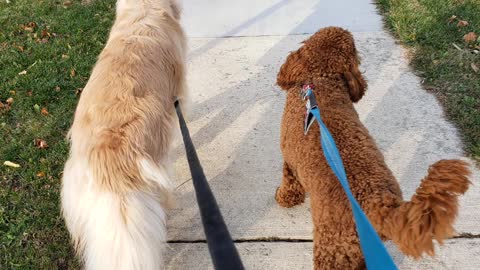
292	72
356	83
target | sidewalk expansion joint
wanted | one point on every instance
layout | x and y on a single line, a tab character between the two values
248	240
466	236
291	240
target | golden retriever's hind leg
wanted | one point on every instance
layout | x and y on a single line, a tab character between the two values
290	192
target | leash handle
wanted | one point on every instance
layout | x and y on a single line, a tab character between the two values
220	244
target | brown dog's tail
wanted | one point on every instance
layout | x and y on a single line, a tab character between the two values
430	214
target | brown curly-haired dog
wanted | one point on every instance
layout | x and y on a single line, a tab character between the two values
329	60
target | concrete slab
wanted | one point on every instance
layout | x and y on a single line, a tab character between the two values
281	17
457	254
235	123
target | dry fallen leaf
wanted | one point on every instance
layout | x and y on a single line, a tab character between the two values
29	27
44	111
462	23
20	48
78	91
29	93
40	143
45	33
9	101
5	107
67	3
11	164
40	174
452	19
57	88
474	67
73	72
22	72
13	92
470	37
65	56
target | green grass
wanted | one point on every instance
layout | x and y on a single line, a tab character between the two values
428	28
64	37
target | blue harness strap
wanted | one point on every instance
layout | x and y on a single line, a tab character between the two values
375	253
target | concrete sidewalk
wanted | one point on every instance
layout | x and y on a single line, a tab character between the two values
236	49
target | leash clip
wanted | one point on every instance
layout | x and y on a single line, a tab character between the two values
307	94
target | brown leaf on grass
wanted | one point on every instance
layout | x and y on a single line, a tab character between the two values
462	23
474	67
45	33
73	72
30	93
44	111
65	56
4	107
57	88
13	92
29	27
451	19
78	91
40	174
23	72
67	3
470	37
40	143
20	48
10	101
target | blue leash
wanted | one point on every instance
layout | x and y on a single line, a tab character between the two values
375	253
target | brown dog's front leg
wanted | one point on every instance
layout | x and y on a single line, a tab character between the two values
290	192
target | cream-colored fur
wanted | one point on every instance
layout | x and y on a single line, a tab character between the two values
115	187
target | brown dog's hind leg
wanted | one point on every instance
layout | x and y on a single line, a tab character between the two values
290	192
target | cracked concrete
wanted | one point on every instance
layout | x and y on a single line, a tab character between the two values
235	120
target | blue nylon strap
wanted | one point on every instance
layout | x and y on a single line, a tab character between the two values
375	253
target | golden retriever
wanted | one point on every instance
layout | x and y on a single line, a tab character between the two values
115	186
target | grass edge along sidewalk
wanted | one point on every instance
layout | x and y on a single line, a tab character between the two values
443	38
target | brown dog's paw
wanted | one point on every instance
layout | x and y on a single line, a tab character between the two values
289	198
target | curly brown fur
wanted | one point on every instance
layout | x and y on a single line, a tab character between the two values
291	192
329	60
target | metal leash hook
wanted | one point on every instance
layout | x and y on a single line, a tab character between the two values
307	94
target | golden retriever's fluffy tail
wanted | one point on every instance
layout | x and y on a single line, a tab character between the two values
430	214
116	230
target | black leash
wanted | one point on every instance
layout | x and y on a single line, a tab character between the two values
220	244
